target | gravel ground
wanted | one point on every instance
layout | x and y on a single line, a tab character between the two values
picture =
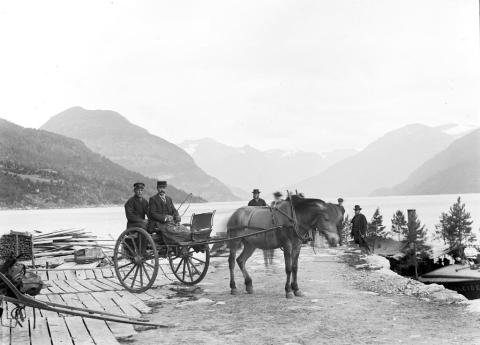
342	305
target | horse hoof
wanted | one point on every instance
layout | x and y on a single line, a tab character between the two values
298	293
249	290
289	295
234	292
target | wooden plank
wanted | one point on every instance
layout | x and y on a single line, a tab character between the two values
107	272
90	274
70	275
120	330
80	274
112	282
52	286
56	299
134	301
124	304
100	333
78	331
98	274
75	285
101	285
64	286
88	285
42	275
58	331
5	332
20	335
46	313
39	334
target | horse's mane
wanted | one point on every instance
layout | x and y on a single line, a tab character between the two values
303	204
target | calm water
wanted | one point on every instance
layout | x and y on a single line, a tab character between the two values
111	220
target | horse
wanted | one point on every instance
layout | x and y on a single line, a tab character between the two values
294	220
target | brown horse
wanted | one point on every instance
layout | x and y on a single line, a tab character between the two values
293	229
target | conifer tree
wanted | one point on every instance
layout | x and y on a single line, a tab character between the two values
399	225
455	227
376	227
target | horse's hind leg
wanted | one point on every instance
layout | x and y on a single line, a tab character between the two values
231	266
248	250
287	255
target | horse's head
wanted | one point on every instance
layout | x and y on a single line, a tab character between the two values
316	214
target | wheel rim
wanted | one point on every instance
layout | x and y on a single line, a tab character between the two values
135	260
190	264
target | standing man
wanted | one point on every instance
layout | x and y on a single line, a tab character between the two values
256	201
340	222
162	211
359	226
277	199
136	208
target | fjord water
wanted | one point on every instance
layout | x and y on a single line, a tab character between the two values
111	220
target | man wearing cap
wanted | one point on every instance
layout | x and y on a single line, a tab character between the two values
136	208
162	211
277	199
359	226
256	201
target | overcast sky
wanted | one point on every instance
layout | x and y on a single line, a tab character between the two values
311	75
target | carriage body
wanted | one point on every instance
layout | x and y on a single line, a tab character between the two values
138	253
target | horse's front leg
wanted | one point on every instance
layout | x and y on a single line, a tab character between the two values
287	255
295	255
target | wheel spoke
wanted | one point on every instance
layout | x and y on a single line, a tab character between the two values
189	270
146	273
183	274
128	246
135	246
141	274
125	276
149	264
130	263
194	258
194	267
134	277
179	264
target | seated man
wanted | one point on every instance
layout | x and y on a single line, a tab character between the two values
136	208
162	210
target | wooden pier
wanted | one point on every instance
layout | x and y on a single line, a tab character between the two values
87	288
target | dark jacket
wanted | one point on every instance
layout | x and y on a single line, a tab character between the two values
359	227
159	209
135	210
254	202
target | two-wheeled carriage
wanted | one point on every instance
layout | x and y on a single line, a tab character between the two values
137	254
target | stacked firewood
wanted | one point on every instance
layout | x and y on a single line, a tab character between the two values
16	243
64	242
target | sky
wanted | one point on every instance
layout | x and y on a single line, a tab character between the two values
296	75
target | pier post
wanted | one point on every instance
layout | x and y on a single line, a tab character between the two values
412	237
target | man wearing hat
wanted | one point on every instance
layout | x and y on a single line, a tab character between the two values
359	226
340	222
162	211
277	199
136	208
256	201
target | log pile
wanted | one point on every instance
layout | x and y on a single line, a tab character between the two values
64	242
16	243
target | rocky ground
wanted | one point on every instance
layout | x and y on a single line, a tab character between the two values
344	303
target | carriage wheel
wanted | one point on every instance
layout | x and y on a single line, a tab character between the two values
190	263
136	260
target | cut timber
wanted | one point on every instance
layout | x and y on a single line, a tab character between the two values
39	335
21	335
78	331
59	331
100	333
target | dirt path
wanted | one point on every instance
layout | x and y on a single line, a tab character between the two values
334	310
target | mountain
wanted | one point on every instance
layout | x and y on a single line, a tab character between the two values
44	169
134	148
454	170
246	167
382	164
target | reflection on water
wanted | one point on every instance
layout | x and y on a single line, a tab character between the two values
111	220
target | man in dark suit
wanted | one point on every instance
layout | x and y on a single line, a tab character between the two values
340	222
136	208
256	201
359	226
162	210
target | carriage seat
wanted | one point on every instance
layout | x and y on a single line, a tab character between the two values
201	225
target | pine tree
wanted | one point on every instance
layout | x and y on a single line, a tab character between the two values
346	229
376	227
399	225
419	235
455	227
